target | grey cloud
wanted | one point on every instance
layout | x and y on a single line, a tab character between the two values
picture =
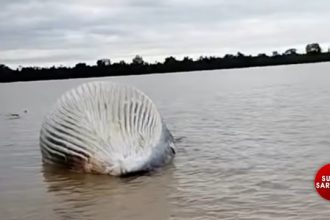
35	32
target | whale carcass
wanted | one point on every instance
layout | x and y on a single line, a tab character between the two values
106	128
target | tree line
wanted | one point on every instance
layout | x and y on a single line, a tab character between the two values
104	67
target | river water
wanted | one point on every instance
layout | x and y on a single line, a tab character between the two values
249	144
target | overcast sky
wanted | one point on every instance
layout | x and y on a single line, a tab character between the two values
45	32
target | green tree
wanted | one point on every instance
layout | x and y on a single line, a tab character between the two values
313	48
103	62
170	60
138	60
122	62
80	65
292	51
275	54
187	60
240	55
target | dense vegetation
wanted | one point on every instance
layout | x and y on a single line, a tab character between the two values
104	67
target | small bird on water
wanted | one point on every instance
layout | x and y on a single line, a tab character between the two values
106	128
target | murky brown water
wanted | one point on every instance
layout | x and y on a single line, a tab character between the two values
249	144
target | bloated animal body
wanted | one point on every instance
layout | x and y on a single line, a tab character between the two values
106	128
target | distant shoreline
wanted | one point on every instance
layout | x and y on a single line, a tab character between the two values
138	67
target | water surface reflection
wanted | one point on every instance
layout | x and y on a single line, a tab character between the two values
81	196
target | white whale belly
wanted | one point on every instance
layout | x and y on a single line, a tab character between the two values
106	128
